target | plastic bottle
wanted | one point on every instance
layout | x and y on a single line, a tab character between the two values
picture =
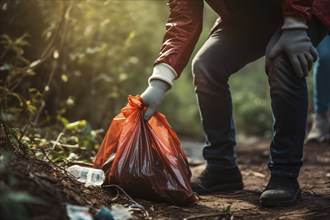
87	175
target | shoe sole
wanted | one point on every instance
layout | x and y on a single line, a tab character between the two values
218	188
272	203
318	139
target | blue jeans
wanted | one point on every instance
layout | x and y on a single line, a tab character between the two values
322	77
226	51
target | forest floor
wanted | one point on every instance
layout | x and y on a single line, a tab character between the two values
50	183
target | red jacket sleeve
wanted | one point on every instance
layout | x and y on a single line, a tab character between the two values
182	32
300	8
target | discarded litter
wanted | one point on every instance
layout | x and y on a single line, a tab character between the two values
120	212
76	212
117	212
89	176
104	214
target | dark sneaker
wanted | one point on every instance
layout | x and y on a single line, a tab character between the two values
215	179
280	191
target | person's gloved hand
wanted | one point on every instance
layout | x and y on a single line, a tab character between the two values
153	96
298	47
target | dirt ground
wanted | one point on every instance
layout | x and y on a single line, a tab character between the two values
49	182
253	158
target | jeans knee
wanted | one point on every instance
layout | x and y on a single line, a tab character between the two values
206	73
198	71
281	77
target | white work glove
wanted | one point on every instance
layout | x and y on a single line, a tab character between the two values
153	96
160	81
297	46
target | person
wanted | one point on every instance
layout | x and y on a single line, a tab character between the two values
286	32
320	130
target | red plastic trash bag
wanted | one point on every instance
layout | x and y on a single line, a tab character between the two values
145	158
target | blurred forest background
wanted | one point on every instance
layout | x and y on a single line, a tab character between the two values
67	67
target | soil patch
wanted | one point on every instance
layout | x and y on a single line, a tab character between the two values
50	183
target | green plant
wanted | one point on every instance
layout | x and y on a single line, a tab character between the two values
227	208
